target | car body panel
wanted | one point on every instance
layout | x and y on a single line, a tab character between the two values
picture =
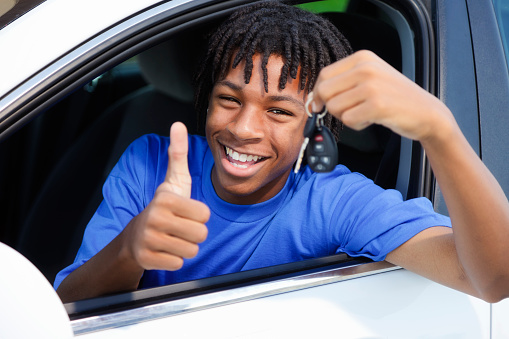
395	304
39	28
36	312
384	301
500	325
493	87
456	79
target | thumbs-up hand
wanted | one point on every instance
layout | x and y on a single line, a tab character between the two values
170	228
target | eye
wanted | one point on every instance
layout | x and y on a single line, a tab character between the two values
229	99
279	111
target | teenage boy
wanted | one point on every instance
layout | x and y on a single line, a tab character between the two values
237	185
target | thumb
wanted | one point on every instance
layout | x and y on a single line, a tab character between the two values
177	174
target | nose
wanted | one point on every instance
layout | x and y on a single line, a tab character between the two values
248	124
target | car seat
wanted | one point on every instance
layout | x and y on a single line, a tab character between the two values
51	232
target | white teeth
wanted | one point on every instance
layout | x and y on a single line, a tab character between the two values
241	157
238	165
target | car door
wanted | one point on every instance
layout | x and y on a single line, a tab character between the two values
493	79
81	103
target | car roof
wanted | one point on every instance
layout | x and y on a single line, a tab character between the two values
54	28
10	10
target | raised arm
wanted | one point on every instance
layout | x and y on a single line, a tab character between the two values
361	90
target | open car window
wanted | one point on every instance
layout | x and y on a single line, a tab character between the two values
81	126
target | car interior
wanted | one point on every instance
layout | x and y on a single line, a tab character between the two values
51	185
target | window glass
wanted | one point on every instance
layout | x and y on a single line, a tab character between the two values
99	121
502	13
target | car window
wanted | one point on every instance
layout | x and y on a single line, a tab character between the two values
58	161
502	14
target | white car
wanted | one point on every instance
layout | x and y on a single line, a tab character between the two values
79	80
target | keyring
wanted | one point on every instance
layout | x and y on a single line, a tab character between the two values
321	114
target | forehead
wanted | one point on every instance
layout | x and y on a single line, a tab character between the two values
270	76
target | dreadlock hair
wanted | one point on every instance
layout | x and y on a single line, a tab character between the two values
270	28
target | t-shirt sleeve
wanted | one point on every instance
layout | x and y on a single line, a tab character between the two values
124	193
370	221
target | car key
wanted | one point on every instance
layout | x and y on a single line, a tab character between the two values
319	143
322	150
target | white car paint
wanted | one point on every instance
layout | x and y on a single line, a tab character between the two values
30	307
395	304
500	319
30	40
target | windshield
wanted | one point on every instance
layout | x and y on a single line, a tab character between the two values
10	10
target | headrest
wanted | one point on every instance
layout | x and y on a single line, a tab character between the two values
169	68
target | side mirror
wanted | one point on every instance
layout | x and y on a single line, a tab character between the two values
30	307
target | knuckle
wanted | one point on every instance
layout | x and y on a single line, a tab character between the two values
366	55
154	220
349	120
368	70
166	196
319	89
370	89
377	104
326	73
144	259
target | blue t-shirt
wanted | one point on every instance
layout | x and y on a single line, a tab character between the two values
313	215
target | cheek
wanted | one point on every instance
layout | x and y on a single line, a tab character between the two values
297	140
290	142
213	122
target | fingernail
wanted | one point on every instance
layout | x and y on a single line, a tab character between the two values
314	107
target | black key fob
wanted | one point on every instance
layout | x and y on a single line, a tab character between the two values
322	150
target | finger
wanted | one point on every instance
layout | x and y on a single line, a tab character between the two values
184	228
357	117
345	102
342	76
172	245
177	174
153	260
188	230
173	204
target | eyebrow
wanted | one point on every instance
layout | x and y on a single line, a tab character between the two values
276	98
230	84
286	98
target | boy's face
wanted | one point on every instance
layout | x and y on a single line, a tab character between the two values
255	137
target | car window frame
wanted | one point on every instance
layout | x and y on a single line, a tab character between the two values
501	9
144	30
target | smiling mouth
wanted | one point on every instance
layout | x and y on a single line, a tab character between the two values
241	160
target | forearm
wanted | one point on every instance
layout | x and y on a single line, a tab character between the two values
111	270
478	209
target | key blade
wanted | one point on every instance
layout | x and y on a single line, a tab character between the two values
301	155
